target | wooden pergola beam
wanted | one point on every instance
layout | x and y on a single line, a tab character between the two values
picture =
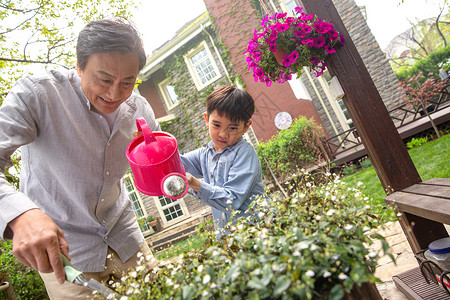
383	143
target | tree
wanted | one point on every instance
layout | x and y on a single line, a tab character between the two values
419	91
42	33
424	37
37	34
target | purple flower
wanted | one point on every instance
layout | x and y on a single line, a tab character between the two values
298	10
314	60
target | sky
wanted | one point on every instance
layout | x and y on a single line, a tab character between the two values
159	20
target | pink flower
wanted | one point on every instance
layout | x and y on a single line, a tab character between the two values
322	27
319	41
273	47
309	42
299	33
329	49
282	27
290	59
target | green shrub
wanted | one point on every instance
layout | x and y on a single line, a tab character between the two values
312	244
416	142
349	168
292	149
26	281
429	64
365	162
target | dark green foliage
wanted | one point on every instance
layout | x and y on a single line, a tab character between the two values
26	281
292	149
315	243
430	64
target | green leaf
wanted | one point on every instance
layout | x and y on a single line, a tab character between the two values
232	273
256	284
336	293
283	283
188	292
267	275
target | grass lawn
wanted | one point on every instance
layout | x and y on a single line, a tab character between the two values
431	161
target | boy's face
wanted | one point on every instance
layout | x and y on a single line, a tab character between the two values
223	132
108	79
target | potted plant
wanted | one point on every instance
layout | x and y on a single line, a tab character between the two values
316	244
300	41
151	220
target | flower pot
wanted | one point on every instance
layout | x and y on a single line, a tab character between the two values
279	55
152	223
4	286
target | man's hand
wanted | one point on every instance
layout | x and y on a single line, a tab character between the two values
38	242
194	183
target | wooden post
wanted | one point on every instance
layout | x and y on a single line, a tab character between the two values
381	139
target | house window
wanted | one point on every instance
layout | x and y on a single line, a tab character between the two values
341	108
133	195
290	5
168	93
173	211
201	65
171	208
345	112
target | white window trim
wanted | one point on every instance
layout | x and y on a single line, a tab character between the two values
334	105
174	221
162	87
141	203
187	58
138	195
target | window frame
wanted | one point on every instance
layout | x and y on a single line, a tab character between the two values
165	94
161	209
129	176
196	78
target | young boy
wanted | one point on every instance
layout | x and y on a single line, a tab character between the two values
228	165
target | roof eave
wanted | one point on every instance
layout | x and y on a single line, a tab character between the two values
154	61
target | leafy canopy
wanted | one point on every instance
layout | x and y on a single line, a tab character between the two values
36	34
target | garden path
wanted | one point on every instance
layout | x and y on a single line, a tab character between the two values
404	256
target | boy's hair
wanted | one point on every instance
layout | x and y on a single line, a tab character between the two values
107	35
232	102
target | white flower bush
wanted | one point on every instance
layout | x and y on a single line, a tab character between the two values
311	245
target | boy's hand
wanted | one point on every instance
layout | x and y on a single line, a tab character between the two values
194	183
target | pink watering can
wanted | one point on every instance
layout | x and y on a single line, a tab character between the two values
156	164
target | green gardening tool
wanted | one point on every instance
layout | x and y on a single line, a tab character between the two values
77	277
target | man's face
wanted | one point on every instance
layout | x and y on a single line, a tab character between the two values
108	79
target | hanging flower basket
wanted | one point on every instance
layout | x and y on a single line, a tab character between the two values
305	39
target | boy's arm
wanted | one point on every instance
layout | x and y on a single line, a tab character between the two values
192	163
243	176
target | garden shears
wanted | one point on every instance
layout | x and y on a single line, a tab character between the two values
77	277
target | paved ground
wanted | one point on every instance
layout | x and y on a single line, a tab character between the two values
404	261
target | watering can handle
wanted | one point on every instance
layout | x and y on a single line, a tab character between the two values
142	125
